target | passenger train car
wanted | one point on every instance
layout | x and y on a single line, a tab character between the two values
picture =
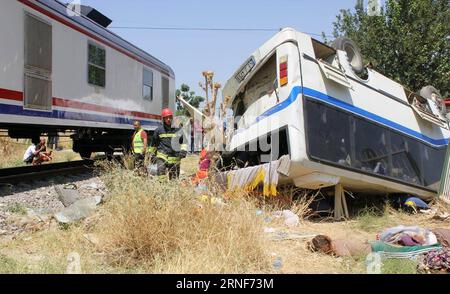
337	121
61	70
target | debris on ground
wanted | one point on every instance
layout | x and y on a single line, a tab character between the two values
78	210
277	263
283	236
92	238
408	236
290	218
30	206
415	204
67	196
438	260
269	230
443	236
442	216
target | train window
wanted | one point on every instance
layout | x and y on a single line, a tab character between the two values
96	65
38	44
165	92
328	133
147	85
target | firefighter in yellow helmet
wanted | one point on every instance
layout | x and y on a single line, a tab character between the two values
168	146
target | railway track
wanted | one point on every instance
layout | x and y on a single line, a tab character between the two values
29	173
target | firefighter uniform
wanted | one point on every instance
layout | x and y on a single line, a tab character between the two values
168	146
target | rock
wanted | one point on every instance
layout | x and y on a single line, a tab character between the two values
277	263
290	218
78	210
67	196
93	186
38	214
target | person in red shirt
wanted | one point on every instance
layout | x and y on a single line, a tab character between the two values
204	164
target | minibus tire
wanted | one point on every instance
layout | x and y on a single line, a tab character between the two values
354	54
428	91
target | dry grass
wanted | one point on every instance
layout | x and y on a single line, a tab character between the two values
11	152
164	226
147	226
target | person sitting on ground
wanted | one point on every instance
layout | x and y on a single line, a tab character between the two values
204	164
339	247
36	154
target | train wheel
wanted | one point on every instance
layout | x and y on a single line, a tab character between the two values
85	154
109	154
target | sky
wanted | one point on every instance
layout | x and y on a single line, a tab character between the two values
189	53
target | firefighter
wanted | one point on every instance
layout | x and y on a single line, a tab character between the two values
168	146
139	146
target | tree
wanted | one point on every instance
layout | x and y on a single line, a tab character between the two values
190	97
408	41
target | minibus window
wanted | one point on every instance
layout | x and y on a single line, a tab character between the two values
432	166
371	152
406	159
329	135
345	139
261	83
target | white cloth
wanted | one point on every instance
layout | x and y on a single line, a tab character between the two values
30	151
250	177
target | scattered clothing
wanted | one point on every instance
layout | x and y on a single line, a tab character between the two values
396	251
443	237
438	260
402	235
249	178
416	203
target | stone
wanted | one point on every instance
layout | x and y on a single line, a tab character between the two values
78	210
67	196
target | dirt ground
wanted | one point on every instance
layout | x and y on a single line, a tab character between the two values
48	248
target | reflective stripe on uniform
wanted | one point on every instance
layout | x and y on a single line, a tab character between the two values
168	135
168	159
151	150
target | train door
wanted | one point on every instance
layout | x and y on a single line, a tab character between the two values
37	64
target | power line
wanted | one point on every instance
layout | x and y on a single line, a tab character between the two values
205	29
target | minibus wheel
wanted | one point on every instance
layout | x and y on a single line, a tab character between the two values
353	53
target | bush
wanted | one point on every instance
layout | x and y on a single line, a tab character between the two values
165	227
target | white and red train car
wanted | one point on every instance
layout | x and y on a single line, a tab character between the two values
63	70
